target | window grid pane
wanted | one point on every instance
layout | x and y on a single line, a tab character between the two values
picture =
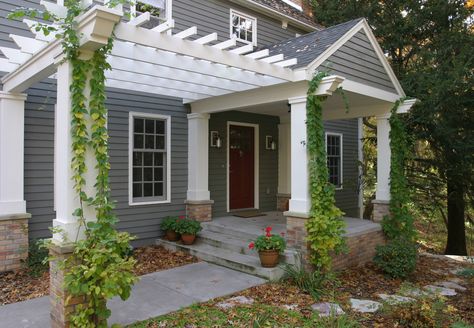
149	159
242	27
334	159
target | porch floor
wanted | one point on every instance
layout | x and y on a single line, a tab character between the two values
276	220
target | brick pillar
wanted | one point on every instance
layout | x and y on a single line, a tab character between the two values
296	236
200	210
381	209
283	201
13	241
60	310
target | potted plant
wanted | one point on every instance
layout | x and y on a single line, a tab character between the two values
188	229
269	247
169	225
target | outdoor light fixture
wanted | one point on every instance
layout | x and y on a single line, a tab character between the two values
270	143
216	140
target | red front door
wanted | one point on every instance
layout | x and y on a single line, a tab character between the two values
241	167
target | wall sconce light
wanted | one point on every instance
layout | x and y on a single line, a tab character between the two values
270	144
216	141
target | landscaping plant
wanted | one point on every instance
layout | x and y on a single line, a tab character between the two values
311	282
269	247
169	226
188	228
397	258
37	260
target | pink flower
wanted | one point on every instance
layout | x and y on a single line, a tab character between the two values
282	234
252	245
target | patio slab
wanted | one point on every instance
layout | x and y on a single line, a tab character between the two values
154	295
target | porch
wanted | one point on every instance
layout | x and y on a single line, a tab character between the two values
224	241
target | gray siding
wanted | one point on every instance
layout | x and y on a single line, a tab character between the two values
347	198
8	26
142	221
357	61
268	160
214	16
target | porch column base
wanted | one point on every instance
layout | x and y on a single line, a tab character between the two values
296	236
283	202
381	209
60	310
13	240
200	210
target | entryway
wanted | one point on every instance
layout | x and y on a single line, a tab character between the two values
242	166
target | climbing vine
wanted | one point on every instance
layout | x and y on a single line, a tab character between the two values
400	223
325	225
101	266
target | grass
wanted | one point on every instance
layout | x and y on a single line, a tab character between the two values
256	316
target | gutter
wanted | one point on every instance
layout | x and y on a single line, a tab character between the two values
276	14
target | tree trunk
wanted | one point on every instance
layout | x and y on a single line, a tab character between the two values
456	244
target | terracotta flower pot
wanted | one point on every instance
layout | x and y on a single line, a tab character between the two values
172	235
269	258
188	239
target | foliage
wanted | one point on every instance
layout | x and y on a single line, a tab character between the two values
467	272
188	226
101	266
269	241
312	282
169	223
143	7
325	225
37	260
397	258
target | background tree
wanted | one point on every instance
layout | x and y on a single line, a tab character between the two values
429	44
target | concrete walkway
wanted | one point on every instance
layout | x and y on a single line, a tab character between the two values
155	294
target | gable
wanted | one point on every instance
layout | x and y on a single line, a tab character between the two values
358	61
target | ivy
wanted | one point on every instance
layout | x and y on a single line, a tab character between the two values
101	266
399	224
325	226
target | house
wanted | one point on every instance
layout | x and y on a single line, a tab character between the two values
207	111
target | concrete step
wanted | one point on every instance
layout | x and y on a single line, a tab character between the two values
230	231
224	257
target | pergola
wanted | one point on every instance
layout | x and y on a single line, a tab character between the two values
208	76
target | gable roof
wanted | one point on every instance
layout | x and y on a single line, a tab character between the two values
308	47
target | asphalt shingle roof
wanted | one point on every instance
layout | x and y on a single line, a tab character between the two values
290	11
308	47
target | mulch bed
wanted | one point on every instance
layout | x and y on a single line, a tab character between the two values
21	286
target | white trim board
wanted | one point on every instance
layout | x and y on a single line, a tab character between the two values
167	118
256	162
246	16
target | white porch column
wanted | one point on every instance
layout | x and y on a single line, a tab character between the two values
12	126
198	157
284	163
300	202
382	194
65	197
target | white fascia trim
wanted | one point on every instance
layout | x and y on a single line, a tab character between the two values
370	91
341	146
246	16
362	25
294	5
167	118
275	14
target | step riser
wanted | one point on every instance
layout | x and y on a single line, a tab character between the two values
235	233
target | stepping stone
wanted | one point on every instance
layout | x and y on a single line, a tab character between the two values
327	309
451	285
443	291
290	307
395	299
416	292
456	280
234	301
365	306
456	271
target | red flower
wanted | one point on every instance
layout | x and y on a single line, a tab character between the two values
182	217
282	234
251	245
268	231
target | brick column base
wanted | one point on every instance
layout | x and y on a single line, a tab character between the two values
58	294
296	236
199	210
13	241
283	201
381	209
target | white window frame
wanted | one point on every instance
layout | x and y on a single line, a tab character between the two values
246	16
341	146
167	120
169	8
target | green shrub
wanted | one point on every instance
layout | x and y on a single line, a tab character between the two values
397	258
335	321
468	273
169	223
37	261
188	226
313	283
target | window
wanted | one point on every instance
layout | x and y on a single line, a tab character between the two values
149	158
243	27
160	11
334	153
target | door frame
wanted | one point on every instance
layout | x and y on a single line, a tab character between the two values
256	162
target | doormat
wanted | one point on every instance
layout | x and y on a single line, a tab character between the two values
248	214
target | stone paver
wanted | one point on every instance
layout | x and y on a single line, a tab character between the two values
395	299
290	307
155	294
451	285
443	291
416	292
234	301
365	306
327	309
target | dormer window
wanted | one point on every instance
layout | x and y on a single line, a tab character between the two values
243	27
